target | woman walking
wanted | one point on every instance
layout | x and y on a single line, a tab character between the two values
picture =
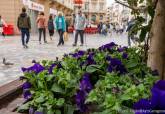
2	24
41	21
60	27
51	26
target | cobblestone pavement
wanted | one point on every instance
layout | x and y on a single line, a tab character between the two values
12	50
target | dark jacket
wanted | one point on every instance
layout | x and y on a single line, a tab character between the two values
24	21
51	25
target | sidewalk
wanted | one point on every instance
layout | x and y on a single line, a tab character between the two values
12	50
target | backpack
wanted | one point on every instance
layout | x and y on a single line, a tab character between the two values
23	22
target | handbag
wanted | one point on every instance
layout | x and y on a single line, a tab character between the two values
65	36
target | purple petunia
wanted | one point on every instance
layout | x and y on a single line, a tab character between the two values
158	95
157	101
107	46
121	49
116	65
31	110
50	70
108	58
85	83
37	68
37	112
115	62
142	107
81	53
125	56
85	88
26	85
110	69
90	59
27	94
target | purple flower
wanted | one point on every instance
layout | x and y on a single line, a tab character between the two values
143	104
115	62
85	83
158	95
142	107
90	59
110	69
107	46
34	61
85	88
81	53
108	58
37	68
27	94
50	70
31	110
125	55
37	112
26	85
121	69
75	55
80	101
120	49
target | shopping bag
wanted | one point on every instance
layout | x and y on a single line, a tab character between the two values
65	36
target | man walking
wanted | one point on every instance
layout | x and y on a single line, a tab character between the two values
79	27
24	25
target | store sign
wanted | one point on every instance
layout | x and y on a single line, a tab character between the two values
36	6
26	2
53	11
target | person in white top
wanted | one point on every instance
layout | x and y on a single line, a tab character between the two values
2	24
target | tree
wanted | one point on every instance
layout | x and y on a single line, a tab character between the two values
153	33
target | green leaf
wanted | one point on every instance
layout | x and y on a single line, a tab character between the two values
23	108
40	99
60	102
131	64
91	68
69	109
56	88
50	111
57	112
40	84
125	97
143	34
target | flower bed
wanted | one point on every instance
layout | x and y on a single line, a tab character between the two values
107	80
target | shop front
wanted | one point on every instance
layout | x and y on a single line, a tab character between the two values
33	10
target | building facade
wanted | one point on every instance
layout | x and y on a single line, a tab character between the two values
10	10
117	13
94	10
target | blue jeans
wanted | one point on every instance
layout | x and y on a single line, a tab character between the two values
25	32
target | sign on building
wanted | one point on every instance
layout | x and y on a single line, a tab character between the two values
26	2
35	6
53	11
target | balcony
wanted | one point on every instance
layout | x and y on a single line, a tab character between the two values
66	3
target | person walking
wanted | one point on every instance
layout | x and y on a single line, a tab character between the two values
41	21
24	25
60	27
51	26
80	22
130	35
2	24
